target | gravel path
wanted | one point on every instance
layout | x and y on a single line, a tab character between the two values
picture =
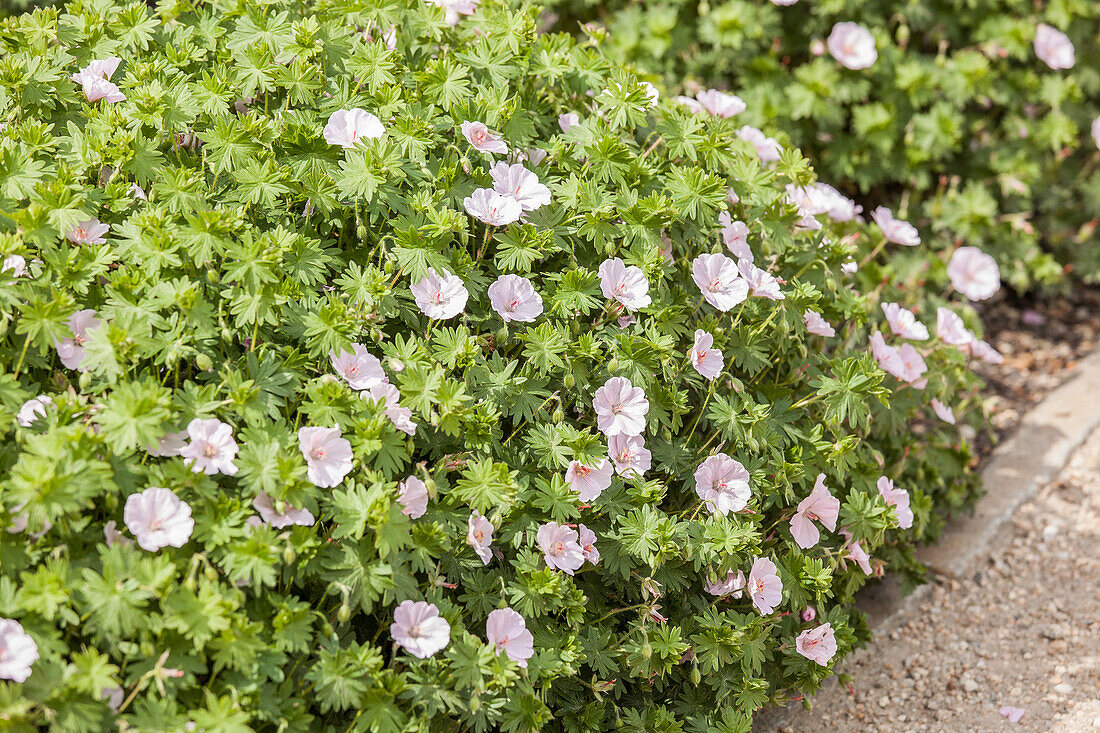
1025	632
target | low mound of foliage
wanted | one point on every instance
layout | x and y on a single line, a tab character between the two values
380	366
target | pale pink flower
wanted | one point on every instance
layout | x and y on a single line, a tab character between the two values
265	505
620	407
719	281
897	498
507	631
514	299
586	538
735	235
732	197
857	553
905	363
721	103
816	324
412	493
568	121
483	139
1095	129
690	103
731	586
897	231
849	267
561	547
359	368
767	148
113	696
943	412
1053	47
723	484
629	454
852	45
624	283
820	506
113	537
974	273
521	184
15	264
764	586
89	231
18	651
914	366
419	629
707	361
808	614
440	295
102	68
94	80
760	282
534	156
903	323
833	203
453	10
71	350
349	127
492	208
32	409
479	535
985	352
817	645
588	481
1013	714
137	192
950	328
390	397
168	445
784	3
158	518
211	448
329	457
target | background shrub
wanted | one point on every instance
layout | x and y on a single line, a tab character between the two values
190	541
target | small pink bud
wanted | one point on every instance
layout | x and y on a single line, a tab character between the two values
808	614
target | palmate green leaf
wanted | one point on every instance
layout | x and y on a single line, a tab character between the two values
486	484
133	415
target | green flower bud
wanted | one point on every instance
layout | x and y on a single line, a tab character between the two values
344	613
557	415
613	365
289	554
569	380
696	678
204	363
327	630
647	651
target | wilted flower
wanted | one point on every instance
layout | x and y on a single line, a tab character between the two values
985	352
328	455
588	481
943	412
707	361
482	138
897	231
721	103
419	629
974	273
620	407
857	553
32	409
211	448
731	586
349	127
521	184
629	454
586	538
15	264
820	506
767	148
760	282
816	324
507	631
735	235
568	121
440	295
359	368
89	231
897	498
412	493
390	397
94	79
18	651
817	645
1011	713
1053	47
561	547
479	535
265	505
168	445
625	284
852	45
514	299
71	350
764	586
903	323
158	518
719	281
113	537
492	208
723	484
950	328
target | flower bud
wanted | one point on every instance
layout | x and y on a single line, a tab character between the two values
289	554
84	381
647	651
327	629
808	614
204	363
210	573
569	380
557	416
613	365
696	677
344	613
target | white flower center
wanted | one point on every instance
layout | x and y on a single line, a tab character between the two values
209	450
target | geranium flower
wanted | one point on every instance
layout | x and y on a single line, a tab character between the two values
18	651
903	323
731	586
349	127
723	484
950	328
211	448
560	546
857	553
158	518
735	235
291	515
71	350
624	284
492	208
588	481
767	148
897	498
719	281
764	586
914	366
534	156
707	361
760	282
985	352
1095	129
168	445
629	454
849	267
816	324
389	396
721	103
943	412
483	139
820	506
89	231
905	363
94	80
833	203
507	631
359	368
32	409
440	295
784	3
620	407
514	299
113	537
690	103
521	184
328	455
15	264
1053	47
479	535
897	231
419	629
817	645
852	45
586	538
974	273
568	121
412	493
